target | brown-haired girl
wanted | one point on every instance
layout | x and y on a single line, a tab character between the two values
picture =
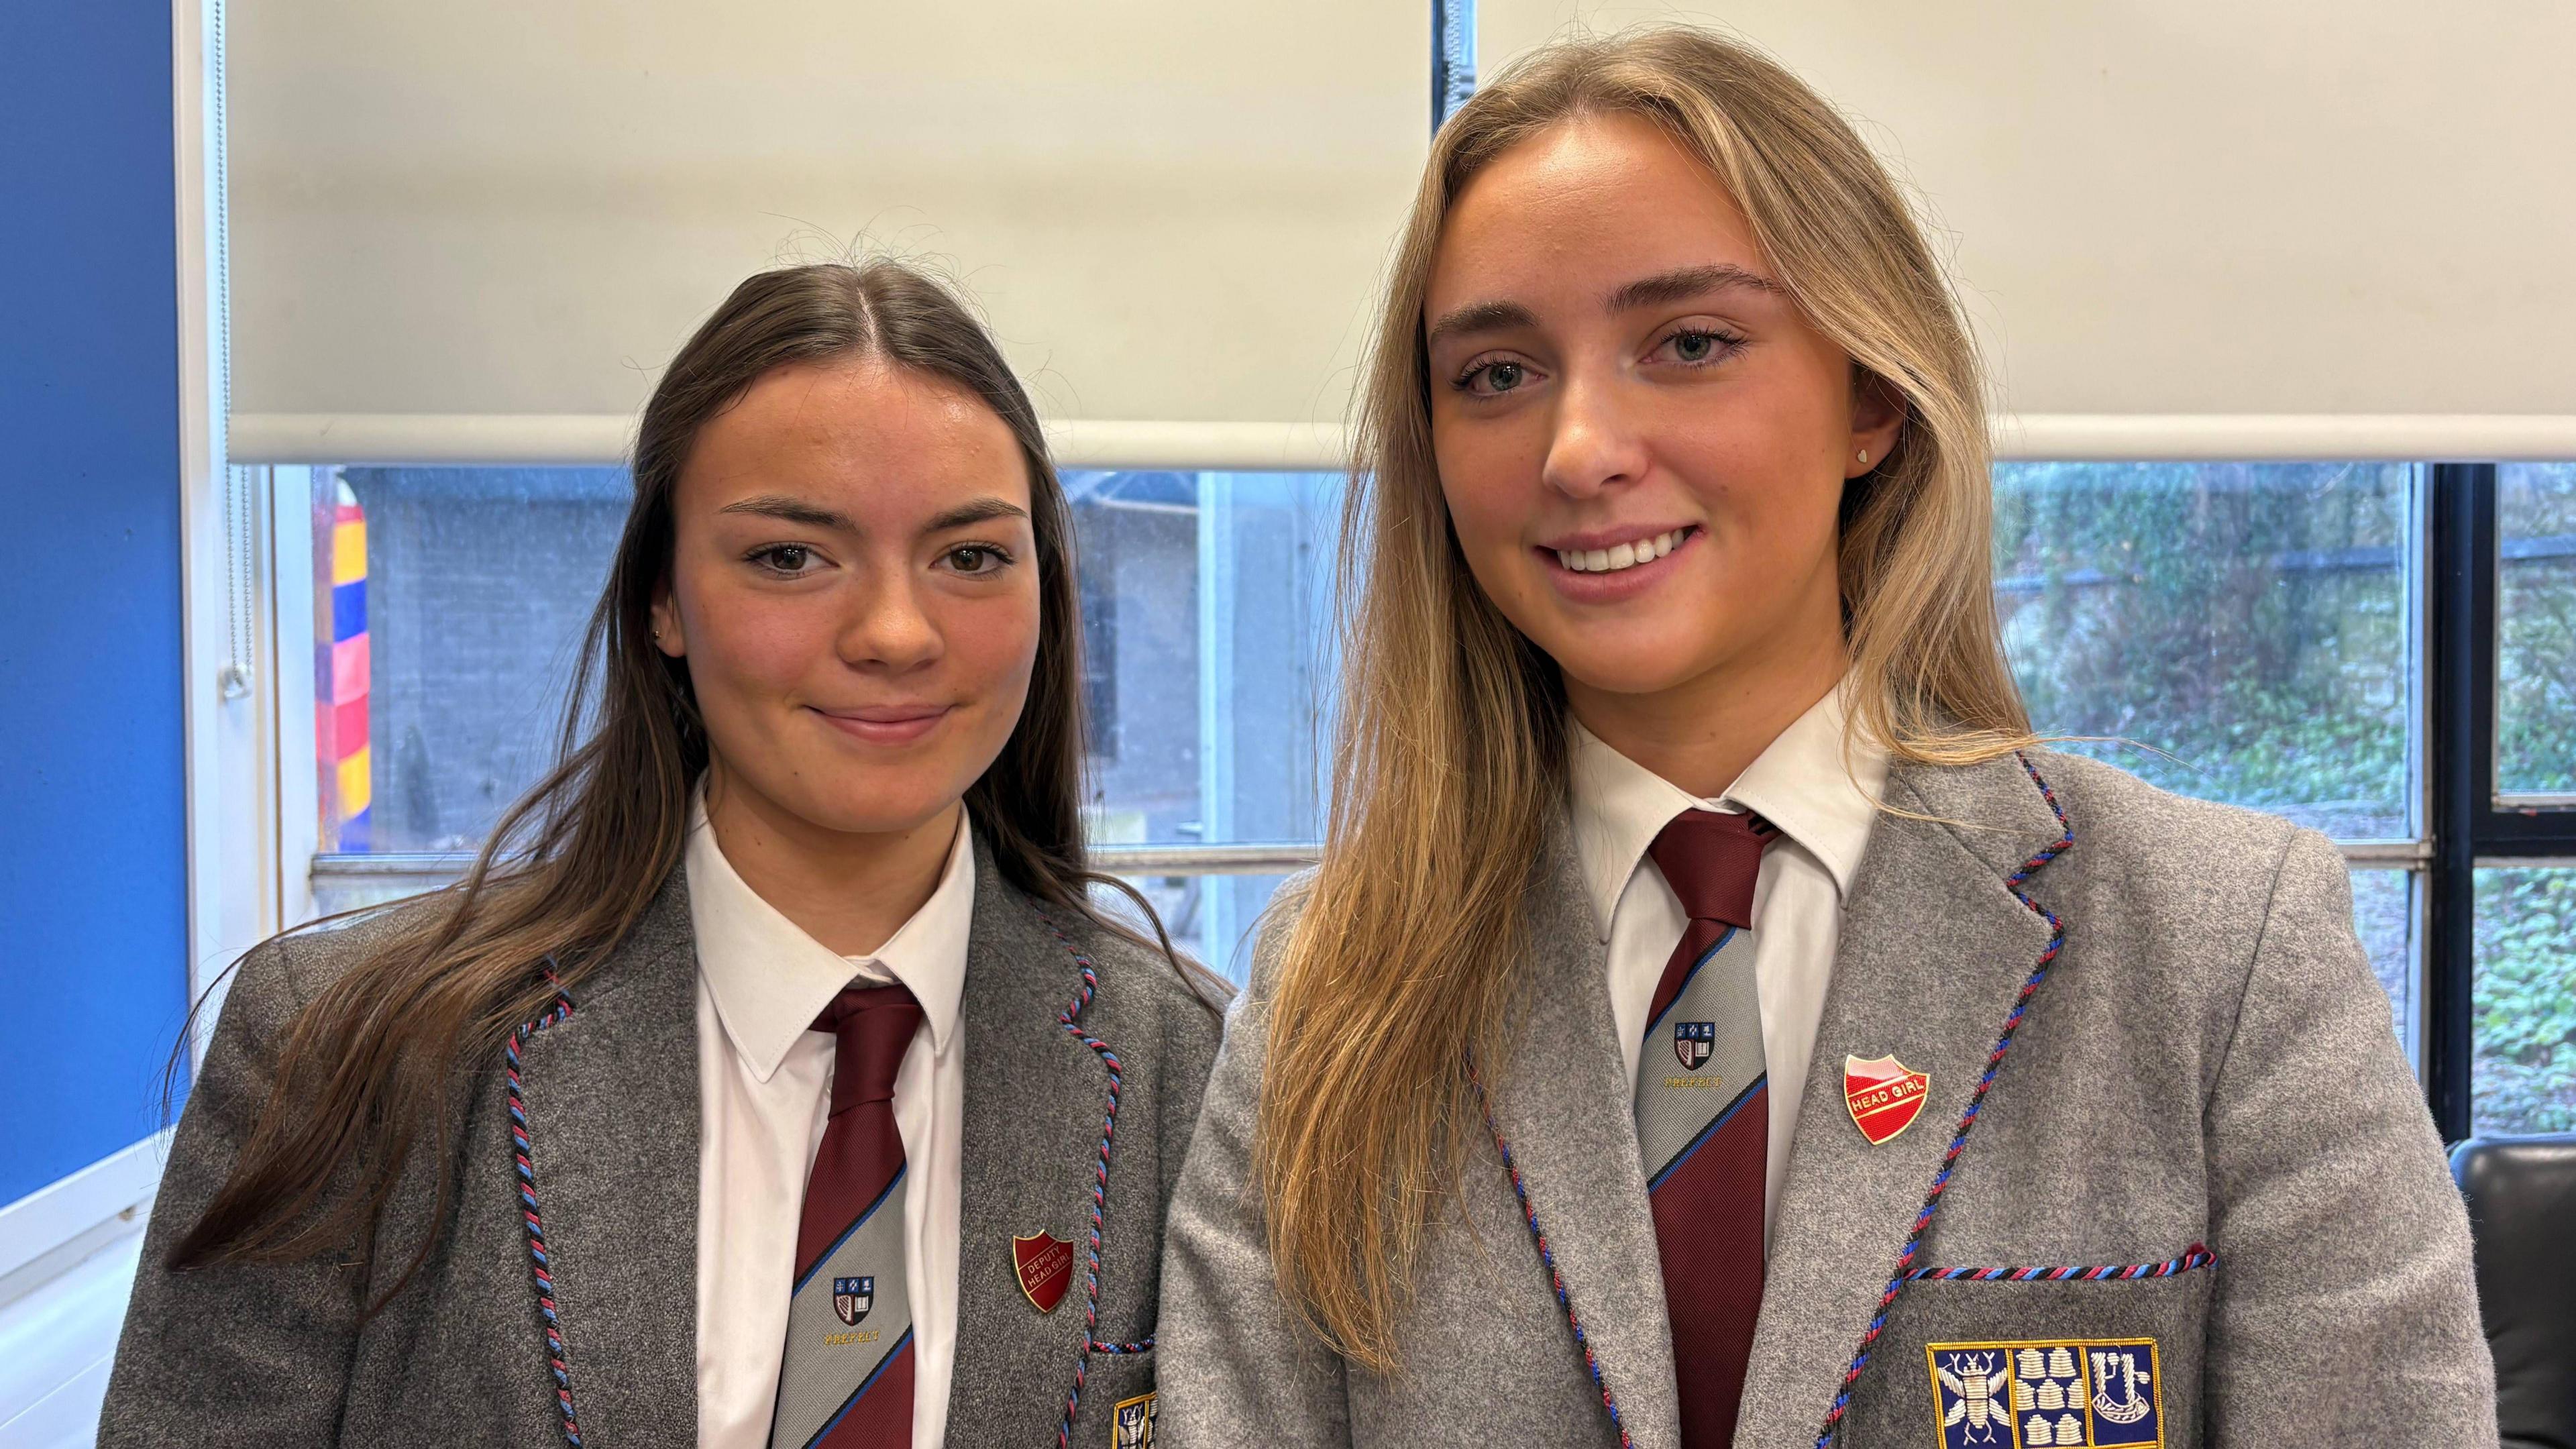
1715	1019
770	1081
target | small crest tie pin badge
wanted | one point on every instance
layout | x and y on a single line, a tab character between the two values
1045	1264
1131	1424
1693	1041
853	1297
2048	1394
1884	1096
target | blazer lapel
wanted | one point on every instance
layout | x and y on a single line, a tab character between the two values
610	1094
1935	950
1036	1100
1564	1105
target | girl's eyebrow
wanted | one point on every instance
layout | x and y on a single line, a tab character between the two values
981	510
1684	283
1478	317
791	510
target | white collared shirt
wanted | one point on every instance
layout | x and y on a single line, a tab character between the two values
1800	783
764	1094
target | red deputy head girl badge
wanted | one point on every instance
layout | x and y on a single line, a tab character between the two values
1045	1264
1884	1097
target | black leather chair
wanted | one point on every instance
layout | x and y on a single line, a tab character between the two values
2521	1193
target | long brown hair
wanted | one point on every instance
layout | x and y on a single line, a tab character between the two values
371	1061
1451	763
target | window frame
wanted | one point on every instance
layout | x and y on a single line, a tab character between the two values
2469	824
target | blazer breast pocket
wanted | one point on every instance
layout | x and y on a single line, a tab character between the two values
1118	1400
2040	1358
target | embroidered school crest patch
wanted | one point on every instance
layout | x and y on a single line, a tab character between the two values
1045	1265
1884	1096
1693	1041
2047	1394
853	1297
1131	1424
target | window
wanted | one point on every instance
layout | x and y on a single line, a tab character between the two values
2500	1049
450	605
2325	641
2244	623
1212	594
2526	1000
455	609
2523	1068
2536	633
2240	632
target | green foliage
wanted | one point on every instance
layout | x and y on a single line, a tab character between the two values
2526	1001
2247	620
2526	972
2536	624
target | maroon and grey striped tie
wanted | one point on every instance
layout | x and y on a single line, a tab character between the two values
846	1380
1703	1116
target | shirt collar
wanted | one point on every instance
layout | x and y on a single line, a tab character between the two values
769	979
1799	783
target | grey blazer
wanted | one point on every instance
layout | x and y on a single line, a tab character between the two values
2188	1049
1065	1037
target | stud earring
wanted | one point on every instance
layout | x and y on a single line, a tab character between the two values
1864	460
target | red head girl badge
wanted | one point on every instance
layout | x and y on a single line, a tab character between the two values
1883	1095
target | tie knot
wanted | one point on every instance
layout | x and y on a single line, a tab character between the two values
870	1026
1711	858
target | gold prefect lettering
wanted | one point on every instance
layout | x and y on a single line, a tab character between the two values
836	1340
1702	1081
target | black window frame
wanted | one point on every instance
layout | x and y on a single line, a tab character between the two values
2467	825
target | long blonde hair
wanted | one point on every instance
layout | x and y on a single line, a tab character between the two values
1450	766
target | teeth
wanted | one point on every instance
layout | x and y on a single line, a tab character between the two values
1621	556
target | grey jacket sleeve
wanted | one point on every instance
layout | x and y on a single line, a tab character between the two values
2345	1312
233	1354
1233	1367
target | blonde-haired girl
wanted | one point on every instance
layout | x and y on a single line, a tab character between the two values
1716	1020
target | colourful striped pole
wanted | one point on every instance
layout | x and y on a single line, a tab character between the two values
342	735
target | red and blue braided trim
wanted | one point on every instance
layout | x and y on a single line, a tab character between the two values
1967	1119
540	1267
1071	1020
1547	1259
2195	1257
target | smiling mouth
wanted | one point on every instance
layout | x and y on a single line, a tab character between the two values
886	725
1622	555
886	714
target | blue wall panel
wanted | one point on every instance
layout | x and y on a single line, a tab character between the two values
93	879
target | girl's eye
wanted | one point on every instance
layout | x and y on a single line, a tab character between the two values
976	558
783	558
1697	347
1492	379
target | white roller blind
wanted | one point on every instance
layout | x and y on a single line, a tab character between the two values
477	230
2211	226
